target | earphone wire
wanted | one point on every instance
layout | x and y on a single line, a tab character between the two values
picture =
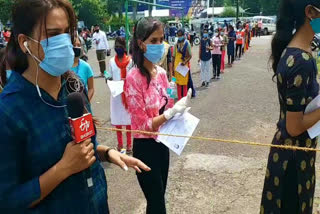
37	86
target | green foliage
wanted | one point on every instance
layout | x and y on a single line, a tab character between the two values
5	10
91	11
116	22
115	7
217	3
229	12
269	7
228	3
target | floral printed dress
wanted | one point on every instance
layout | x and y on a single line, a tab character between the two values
290	176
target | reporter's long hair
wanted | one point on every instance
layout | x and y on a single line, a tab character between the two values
25	22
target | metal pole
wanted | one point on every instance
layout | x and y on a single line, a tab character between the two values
182	11
127	24
212	11
237	10
208	5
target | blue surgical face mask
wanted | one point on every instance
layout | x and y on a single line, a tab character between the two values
119	51
205	35
9	72
315	23
154	53
59	55
180	39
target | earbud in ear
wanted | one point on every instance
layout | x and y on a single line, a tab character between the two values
25	44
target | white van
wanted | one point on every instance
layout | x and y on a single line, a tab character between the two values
269	24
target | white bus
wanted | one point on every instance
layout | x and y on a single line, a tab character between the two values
269	24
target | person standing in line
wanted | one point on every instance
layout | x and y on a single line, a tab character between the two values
102	47
6	35
239	44
166	60
216	55
231	43
192	35
244	39
82	69
5	71
205	58
290	179
146	93
181	56
119	68
256	29
224	39
172	34
260	27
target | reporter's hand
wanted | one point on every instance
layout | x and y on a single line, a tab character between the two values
77	157
179	107
125	161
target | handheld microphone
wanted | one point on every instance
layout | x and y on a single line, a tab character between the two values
81	124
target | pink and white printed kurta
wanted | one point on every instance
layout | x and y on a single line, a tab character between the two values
145	102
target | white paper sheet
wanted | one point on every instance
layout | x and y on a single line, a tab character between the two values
116	87
182	69
314	131
184	124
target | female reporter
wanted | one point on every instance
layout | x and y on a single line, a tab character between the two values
42	170
290	178
146	94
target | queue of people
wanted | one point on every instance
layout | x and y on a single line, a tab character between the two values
224	42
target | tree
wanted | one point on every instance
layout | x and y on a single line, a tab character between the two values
5	10
228	3
253	7
269	7
91	11
217	3
134	10
229	12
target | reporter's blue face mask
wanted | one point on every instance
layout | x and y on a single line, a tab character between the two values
315	23
205	35
59	54
154	53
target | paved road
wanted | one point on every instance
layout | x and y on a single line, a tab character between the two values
210	177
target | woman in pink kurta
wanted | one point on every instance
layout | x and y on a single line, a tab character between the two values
145	100
146	95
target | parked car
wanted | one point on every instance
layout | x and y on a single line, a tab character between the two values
269	24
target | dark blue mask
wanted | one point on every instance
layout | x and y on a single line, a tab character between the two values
119	51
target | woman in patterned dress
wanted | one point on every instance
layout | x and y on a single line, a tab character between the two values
290	177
